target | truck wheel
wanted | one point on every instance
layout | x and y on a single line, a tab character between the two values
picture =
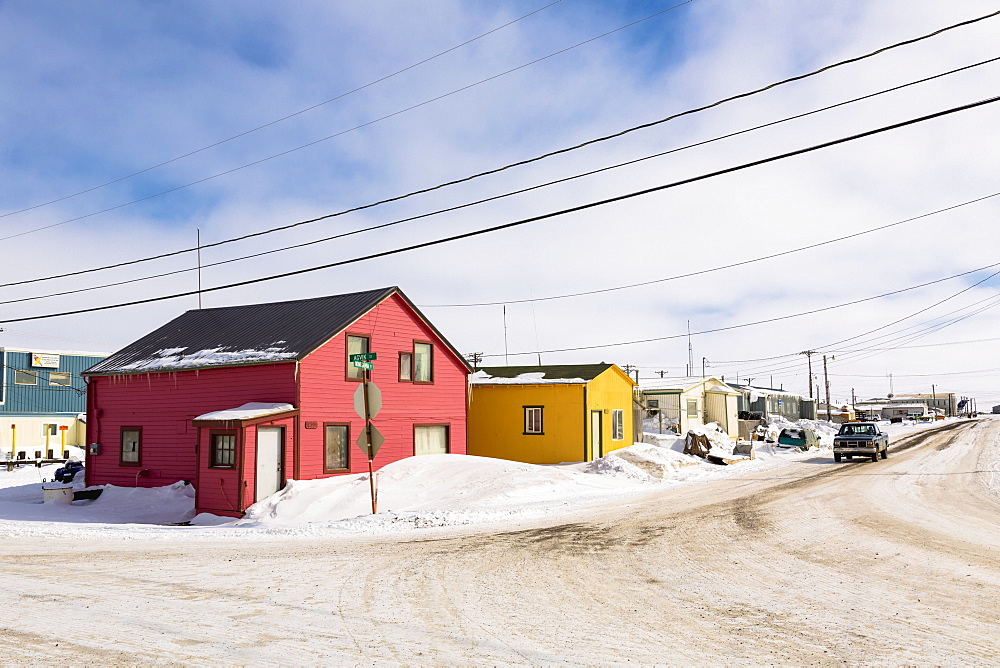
836	456
875	456
885	454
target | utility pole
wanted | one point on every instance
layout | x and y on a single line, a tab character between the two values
826	381
809	358
703	360
475	358
690	351
934	401
662	373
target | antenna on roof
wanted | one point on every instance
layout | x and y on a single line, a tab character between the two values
199	268
690	351
506	359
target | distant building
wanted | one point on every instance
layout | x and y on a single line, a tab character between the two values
677	404
941	403
42	398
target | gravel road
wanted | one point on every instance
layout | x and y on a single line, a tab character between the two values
896	561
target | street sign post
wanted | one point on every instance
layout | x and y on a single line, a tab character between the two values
367	404
376	442
367	400
363	357
368	366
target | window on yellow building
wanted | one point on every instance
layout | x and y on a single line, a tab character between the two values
617	424
533	420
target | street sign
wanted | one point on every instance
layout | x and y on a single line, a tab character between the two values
364	365
374	400
377	441
363	357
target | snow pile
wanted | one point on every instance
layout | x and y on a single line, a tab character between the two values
720	443
670	441
643	461
434	489
21	500
171	358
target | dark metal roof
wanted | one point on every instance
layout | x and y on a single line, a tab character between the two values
236	335
549	371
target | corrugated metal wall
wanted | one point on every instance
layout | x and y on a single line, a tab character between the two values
43	396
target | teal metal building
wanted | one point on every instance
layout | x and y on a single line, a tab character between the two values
43	399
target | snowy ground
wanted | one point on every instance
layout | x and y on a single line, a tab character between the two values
416	493
790	559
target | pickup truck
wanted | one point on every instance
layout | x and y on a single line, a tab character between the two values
860	438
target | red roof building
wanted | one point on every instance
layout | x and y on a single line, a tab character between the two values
238	400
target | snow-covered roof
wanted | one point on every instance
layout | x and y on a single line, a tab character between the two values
250	334
682	383
558	374
254	409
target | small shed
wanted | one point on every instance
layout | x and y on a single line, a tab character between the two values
240	399
771	401
550	414
677	404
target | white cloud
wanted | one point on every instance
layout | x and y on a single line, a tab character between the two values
100	94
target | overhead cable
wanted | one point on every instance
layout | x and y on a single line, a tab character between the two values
348	130
283	118
747	324
465	205
532	219
521	162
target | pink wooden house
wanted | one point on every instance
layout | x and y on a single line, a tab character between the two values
237	400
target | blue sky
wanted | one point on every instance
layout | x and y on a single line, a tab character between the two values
95	91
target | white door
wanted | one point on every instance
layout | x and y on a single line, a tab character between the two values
596	431
268	461
715	409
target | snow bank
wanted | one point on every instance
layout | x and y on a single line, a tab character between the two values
433	490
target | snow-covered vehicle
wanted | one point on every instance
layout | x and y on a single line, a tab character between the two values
860	439
68	471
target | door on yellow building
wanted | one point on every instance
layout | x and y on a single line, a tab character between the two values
597	446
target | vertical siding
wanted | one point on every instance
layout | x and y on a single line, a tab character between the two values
218	490
496	422
163	404
326	395
608	391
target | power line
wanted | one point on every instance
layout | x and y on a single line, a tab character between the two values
283	118
713	269
857	355
532	219
522	162
517	192
352	129
751	324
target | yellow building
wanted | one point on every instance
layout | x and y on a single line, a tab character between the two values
550	414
